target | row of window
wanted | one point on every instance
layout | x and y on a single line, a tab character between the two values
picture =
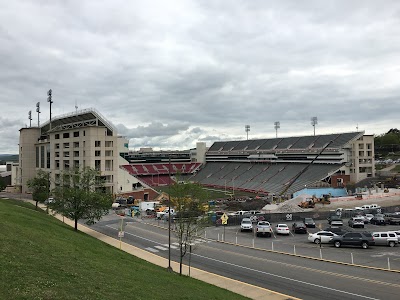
66	164
76	153
76	144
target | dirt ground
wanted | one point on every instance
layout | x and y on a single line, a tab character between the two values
383	199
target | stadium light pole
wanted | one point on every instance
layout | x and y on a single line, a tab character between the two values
247	129
49	99
314	121
30	118
38	111
277	125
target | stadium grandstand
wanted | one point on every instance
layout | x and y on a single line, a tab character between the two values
286	165
159	174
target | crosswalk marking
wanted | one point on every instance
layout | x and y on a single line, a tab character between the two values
172	246
151	249
161	248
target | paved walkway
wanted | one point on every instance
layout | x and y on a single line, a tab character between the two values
248	290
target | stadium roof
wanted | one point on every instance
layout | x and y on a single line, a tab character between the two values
338	140
80	118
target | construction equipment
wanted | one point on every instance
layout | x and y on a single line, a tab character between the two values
309	203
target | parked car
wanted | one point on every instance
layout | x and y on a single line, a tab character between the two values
309	222
282	229
336	230
361	239
246	224
378	220
392	219
397	233
335	221
321	237
299	227
263	228
369	217
385	238
49	201
356	222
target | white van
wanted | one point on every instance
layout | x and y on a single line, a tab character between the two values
385	238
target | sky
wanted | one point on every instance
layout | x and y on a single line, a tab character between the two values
171	73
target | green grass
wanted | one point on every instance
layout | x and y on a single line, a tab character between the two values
396	169
42	258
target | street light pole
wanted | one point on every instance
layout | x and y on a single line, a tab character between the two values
169	269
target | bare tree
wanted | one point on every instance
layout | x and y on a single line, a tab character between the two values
189	200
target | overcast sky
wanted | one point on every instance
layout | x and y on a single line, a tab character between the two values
170	73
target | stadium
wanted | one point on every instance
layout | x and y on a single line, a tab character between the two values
278	166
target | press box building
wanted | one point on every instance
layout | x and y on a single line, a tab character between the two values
79	139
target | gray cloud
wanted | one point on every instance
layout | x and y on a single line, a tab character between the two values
171	74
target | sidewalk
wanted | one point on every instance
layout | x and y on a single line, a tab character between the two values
248	290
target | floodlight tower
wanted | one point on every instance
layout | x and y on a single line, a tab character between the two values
38	113
49	99
314	121
247	129
277	125
30	118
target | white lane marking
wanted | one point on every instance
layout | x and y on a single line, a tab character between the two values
283	277
160	248
257	271
172	246
176	244
152	250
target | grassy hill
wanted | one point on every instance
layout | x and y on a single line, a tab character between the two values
42	258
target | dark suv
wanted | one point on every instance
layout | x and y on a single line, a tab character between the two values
363	239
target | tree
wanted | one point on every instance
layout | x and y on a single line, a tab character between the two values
189	200
80	194
40	186
2	184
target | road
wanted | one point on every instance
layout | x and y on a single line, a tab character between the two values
295	276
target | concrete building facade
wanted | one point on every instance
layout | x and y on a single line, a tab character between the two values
76	140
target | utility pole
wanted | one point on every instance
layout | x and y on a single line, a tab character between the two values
30	118
169	269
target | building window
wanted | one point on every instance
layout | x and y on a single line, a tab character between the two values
361	146
57	136
66	154
66	135
369	153
369	146
109	143
361	153
66	145
76	153
42	156
48	156
66	164
57	164
97	143
97	153
109	153
76	164
76	133
76	144
97	165
37	157
57	146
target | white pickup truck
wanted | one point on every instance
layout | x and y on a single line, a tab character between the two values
161	214
263	228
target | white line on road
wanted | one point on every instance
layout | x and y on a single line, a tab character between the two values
161	248
172	246
283	277
151	249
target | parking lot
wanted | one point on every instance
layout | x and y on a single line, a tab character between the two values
376	256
